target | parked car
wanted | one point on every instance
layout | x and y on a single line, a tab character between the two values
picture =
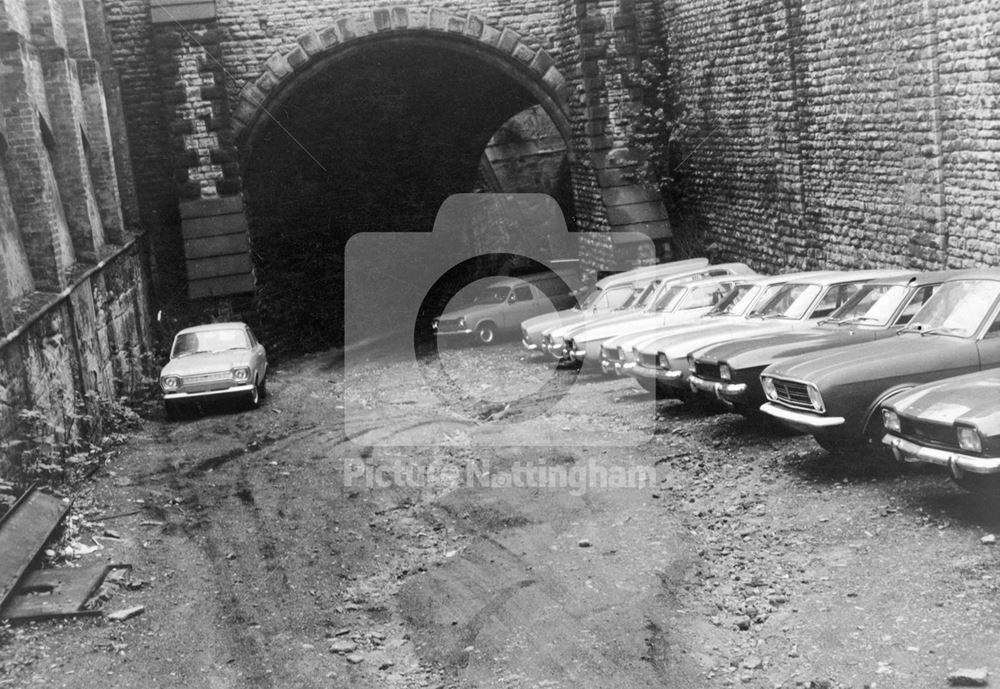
612	293
835	395
675	305
556	340
954	423
796	304
621	354
213	361
501	304
730	372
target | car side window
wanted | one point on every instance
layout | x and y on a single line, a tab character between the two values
833	299
994	329
522	293
916	301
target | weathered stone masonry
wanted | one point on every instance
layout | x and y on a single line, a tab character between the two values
257	48
841	134
73	303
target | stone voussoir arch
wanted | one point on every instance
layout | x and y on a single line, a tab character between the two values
284	65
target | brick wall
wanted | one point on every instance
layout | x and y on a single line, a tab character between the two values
839	134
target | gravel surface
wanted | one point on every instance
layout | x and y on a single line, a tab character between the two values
489	521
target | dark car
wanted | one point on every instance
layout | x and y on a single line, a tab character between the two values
954	423
835	395
731	371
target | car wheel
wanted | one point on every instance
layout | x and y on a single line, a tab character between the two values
253	397
262	388
486	333
173	409
980	484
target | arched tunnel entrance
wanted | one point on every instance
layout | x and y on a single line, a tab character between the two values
374	137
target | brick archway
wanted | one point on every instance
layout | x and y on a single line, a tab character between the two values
534	69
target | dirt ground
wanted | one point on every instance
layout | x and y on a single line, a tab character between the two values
470	533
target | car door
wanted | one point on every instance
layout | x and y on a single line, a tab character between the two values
521	305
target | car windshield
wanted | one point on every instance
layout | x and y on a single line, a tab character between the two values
591	299
737	301
669	299
789	301
643	296
492	295
957	308
209	341
872	304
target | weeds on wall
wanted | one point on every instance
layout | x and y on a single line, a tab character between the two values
64	445
657	132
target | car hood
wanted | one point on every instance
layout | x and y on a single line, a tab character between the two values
206	362
895	357
542	322
568	327
686	342
972	399
633	323
762	350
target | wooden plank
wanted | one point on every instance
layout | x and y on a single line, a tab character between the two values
216	246
24	530
217	266
58	592
212	225
218	287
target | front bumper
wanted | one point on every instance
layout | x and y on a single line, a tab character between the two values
727	392
801	421
233	390
446	333
530	346
957	463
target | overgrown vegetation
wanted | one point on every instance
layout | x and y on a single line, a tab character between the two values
657	131
65	444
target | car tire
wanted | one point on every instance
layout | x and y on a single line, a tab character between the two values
262	387
486	333
253	397
979	484
174	410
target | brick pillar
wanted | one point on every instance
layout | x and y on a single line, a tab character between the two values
65	102
74	21
206	167
34	193
46	19
103	172
609	52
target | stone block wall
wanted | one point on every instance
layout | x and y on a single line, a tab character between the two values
825	133
73	303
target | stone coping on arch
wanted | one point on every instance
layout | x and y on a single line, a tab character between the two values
283	65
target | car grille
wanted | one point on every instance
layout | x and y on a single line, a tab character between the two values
611	354
647	360
202	378
792	393
706	370
449	325
931	433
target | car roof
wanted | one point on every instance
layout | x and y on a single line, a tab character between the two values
228	325
831	277
928	277
978	274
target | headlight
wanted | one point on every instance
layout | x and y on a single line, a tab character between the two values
968	439
890	420
170	383
461	322
768	386
690	360
621	354
241	375
815	398
724	372
662	361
